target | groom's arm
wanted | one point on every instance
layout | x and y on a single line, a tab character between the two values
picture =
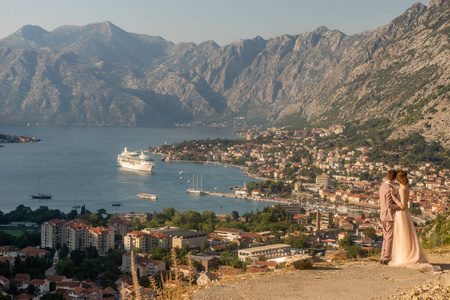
391	203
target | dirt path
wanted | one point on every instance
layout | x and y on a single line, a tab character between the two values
349	280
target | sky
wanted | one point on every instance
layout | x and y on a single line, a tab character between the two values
222	21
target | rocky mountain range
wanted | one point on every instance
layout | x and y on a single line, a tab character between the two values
99	74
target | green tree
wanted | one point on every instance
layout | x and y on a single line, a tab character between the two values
370	232
262	258
77	256
6	239
159	253
204	247
91	252
184	251
346	241
415	211
90	268
354	251
231	246
64	251
137	250
300	242
235	215
66	267
31	289
227	258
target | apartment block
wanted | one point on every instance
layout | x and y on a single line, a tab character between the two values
141	240
52	233
101	238
75	234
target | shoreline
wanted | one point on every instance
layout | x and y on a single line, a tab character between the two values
244	169
286	201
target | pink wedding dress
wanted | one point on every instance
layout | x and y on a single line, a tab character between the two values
406	248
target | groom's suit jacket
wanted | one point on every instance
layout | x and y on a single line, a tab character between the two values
388	205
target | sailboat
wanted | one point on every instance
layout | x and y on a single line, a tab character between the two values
115	203
42	196
196	191
76	205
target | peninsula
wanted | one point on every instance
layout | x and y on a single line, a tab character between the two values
4	138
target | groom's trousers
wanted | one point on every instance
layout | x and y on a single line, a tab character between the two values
388	236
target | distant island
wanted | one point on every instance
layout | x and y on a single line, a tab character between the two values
17	139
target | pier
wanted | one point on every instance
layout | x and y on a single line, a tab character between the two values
231	195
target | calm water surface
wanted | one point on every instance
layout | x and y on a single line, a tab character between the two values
78	165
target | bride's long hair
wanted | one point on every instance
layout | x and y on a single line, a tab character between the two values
402	178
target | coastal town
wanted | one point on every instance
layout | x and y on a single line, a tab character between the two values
335	177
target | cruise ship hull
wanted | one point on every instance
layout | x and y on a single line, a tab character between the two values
135	165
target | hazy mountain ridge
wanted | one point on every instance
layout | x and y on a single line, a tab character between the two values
100	74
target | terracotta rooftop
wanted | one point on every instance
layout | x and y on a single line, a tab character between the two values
99	230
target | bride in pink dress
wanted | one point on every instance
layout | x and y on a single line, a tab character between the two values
406	249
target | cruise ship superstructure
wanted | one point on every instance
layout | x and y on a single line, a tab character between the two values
135	161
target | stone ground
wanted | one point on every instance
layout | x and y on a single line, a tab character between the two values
363	279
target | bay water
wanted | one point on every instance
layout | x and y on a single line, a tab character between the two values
78	166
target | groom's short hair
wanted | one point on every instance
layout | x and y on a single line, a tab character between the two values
391	174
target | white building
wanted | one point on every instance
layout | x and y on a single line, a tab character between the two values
269	252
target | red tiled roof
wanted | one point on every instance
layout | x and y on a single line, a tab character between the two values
31	251
78	290
99	230
55	221
8	248
23	276
24	296
38	281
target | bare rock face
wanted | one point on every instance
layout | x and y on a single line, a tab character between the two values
300	262
206	279
99	74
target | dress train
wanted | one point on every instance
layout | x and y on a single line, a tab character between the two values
407	251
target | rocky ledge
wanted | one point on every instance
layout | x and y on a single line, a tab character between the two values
361	279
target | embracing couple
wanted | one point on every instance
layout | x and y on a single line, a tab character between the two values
401	245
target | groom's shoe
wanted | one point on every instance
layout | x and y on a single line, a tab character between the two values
384	262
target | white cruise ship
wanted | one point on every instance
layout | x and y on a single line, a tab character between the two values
132	160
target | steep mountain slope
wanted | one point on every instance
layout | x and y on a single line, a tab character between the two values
100	74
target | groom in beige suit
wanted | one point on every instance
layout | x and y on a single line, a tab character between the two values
388	208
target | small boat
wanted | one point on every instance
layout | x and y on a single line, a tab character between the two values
76	205
115	203
147	196
42	196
